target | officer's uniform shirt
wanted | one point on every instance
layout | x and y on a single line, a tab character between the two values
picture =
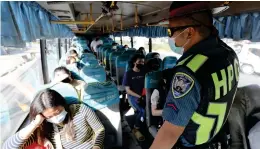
179	107
184	93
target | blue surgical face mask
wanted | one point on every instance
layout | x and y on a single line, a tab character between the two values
174	48
58	118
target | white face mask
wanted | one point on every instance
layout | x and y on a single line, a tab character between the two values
58	118
174	48
114	47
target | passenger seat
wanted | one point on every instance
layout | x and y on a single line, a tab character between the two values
93	73
104	99
169	62
112	62
121	62
106	59
151	82
68	92
73	68
154	64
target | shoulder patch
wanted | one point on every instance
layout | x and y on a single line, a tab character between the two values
181	85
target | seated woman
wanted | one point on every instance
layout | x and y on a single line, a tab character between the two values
71	60
158	99
57	125
141	50
74	53
62	74
126	47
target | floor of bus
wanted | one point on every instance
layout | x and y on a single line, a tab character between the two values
129	140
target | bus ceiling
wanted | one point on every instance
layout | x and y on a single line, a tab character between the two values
64	19
84	13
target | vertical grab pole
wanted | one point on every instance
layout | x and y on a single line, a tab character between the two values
136	16
59	49
66	46
121	40
150	44
44	61
121	22
132	42
90	9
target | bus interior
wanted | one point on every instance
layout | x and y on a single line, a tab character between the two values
36	38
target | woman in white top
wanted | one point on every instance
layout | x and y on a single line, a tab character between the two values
158	99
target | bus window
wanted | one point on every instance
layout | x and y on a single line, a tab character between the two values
161	45
52	55
126	41
20	76
63	47
141	42
249	59
117	40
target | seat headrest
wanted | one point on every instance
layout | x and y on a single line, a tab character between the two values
93	73
129	52
113	55
88	62
67	91
122	60
100	95
152	79
154	64
169	62
88	56
151	55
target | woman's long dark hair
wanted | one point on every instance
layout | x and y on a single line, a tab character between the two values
48	99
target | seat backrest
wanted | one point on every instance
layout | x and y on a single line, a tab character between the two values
88	62
131	49
112	62
128	52
150	55
169	62
74	71
93	73
153	64
99	49
104	51
121	62
67	91
88	56
106	58
152	80
104	99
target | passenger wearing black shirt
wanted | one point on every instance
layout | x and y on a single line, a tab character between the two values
134	84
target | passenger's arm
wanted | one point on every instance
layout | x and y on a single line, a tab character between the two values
178	110
23	137
130	92
154	101
155	111
96	126
126	83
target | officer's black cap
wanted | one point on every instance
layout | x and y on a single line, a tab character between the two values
182	8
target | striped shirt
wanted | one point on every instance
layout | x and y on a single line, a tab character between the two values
89	132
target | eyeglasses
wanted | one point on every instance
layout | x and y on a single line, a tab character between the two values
171	30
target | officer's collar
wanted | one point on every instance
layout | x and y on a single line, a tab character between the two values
201	46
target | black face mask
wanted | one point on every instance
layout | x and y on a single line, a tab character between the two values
140	66
67	80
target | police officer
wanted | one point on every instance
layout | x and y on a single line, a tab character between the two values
204	80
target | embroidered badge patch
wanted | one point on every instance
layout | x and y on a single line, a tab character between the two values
182	84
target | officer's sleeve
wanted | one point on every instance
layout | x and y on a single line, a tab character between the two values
183	98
